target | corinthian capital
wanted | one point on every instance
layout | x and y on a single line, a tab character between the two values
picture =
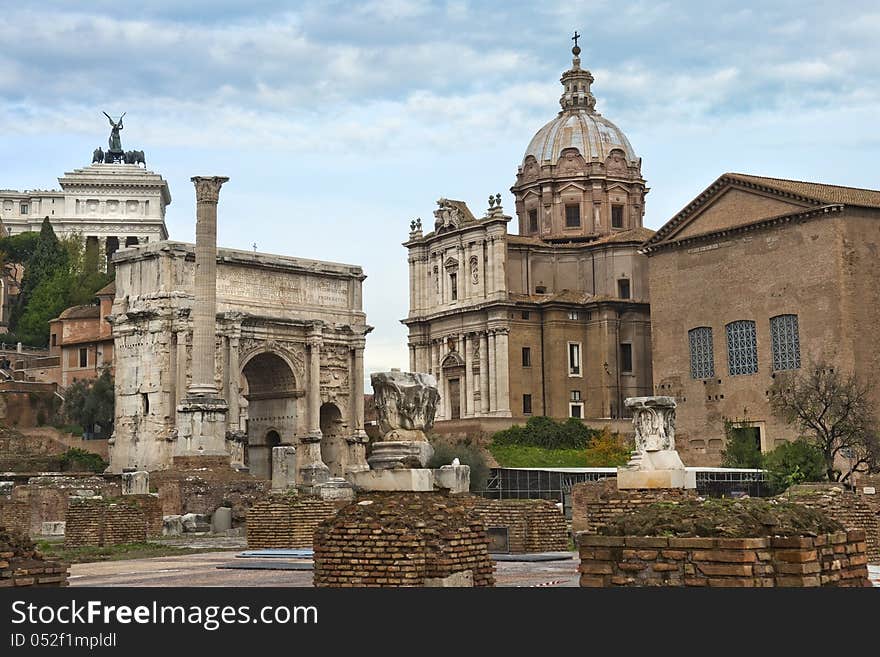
208	188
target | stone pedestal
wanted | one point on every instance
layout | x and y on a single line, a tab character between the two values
312	471
283	467
135	483
357	452
236	445
336	489
454	478
401	479
392	454
655	462
201	427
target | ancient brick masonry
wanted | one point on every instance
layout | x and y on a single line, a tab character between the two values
47	496
595	503
15	515
849	509
393	539
22	565
533	525
100	522
286	521
836	559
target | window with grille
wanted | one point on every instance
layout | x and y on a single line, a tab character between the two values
572	314
785	342
742	347
702	355
572	216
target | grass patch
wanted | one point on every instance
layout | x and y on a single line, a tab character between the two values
56	551
523	456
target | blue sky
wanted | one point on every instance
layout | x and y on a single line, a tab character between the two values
338	122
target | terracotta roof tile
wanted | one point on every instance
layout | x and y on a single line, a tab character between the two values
818	191
81	312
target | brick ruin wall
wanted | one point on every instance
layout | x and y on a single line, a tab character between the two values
202	484
46	497
532	525
15	515
287	521
595	503
837	559
99	522
401	539
22	565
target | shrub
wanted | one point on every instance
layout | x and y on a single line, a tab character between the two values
541	431
792	463
467	454
741	449
607	450
79	459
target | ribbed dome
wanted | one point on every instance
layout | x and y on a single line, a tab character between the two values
592	134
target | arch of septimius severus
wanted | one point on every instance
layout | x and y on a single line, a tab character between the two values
290	337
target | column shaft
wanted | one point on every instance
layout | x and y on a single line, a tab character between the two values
493	404
468	377
484	374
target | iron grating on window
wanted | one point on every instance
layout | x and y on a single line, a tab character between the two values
742	347
785	342
702	355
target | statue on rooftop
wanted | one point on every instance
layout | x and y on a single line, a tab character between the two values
115	141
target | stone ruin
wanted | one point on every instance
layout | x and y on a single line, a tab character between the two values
655	462
405	404
21	564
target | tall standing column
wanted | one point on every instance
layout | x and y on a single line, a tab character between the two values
234	376
357	440
313	472
484	374
180	369
502	387
201	416
493	404
468	376
205	307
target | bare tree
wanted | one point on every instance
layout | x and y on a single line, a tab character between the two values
834	412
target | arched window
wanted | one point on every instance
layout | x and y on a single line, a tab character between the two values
785	342
702	353
742	347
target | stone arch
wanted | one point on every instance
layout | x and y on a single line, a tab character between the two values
453	373
333	439
271	392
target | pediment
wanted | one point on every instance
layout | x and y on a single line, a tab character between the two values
727	205
571	185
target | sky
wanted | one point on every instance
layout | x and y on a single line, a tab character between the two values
339	122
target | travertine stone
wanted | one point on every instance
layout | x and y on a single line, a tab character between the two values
135	483
455	478
404	479
655	463
283	467
404	401
221	520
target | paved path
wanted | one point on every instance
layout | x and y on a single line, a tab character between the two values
201	570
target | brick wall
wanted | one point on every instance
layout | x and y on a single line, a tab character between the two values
391	540
594	503
849	509
532	525
837	559
99	522
22	565
285	521
47	497
15	515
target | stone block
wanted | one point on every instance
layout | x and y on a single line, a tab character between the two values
665	567
796	556
628	479
53	528
462	579
221	520
336	489
395	454
595	540
791	542
283	467
596	567
726	556
740	543
455	478
136	483
647	542
403	479
730	569
692	542
172	525
195	522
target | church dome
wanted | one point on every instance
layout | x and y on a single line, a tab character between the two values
578	125
588	131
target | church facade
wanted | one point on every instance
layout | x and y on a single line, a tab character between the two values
756	277
554	319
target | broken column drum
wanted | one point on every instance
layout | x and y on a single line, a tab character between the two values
405	404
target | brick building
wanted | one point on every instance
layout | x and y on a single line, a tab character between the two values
754	277
553	320
82	339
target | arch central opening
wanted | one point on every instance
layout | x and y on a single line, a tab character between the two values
269	386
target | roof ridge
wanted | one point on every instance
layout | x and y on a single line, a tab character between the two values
802	182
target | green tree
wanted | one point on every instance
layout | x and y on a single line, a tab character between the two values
835	412
467	454
741	449
794	462
90	404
